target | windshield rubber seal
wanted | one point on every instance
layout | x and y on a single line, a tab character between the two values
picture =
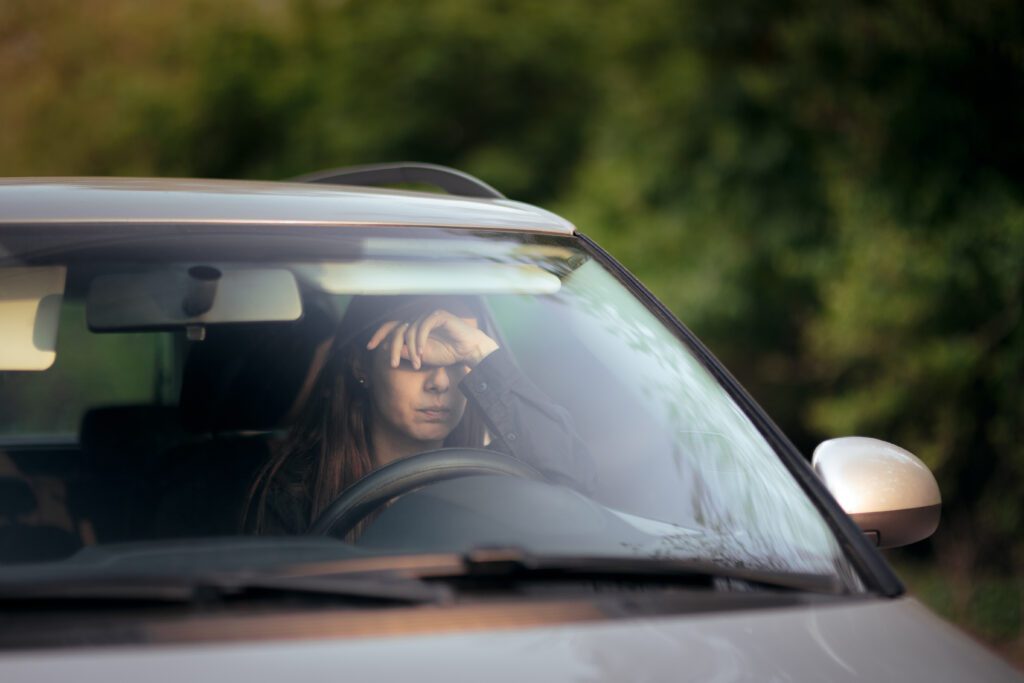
874	570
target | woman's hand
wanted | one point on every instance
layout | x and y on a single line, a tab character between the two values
438	338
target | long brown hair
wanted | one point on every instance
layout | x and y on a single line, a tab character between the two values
328	447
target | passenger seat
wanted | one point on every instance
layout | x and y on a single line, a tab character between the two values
120	449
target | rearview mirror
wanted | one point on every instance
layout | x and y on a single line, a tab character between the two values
180	295
891	495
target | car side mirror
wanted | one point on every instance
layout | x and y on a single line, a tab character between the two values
891	495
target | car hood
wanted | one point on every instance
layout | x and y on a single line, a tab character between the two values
869	640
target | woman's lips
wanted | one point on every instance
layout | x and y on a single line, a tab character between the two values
435	413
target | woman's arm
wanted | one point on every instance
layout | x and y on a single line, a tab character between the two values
525	423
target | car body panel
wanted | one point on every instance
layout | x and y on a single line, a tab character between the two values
871	640
141	201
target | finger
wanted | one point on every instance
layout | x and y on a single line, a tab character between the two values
380	334
426	327
394	342
410	344
397	344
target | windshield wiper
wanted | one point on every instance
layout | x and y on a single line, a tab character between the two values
494	567
413	579
224	588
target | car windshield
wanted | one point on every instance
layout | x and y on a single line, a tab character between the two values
159	384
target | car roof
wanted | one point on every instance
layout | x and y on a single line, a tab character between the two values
155	201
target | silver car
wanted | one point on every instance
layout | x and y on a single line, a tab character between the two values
322	429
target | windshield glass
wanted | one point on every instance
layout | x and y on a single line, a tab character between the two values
162	384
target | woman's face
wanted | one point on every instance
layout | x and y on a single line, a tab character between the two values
421	405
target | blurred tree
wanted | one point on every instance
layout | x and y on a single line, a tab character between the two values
920	338
828	192
837	186
492	88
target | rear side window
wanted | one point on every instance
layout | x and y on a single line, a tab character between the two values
91	370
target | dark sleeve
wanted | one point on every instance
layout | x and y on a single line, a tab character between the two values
284	514
523	422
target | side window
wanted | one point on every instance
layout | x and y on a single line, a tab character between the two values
91	370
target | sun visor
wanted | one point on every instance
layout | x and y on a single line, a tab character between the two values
30	300
382	277
184	295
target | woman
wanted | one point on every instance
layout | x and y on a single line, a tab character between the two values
413	374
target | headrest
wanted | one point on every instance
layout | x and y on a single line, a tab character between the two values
129	436
246	377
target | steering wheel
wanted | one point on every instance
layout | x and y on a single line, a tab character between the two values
402	476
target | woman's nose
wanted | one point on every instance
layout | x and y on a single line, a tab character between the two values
438	380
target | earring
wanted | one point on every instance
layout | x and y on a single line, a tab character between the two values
362	381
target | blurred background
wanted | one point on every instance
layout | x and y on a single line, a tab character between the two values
830	194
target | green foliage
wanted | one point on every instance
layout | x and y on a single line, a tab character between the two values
90	370
989	606
827	192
